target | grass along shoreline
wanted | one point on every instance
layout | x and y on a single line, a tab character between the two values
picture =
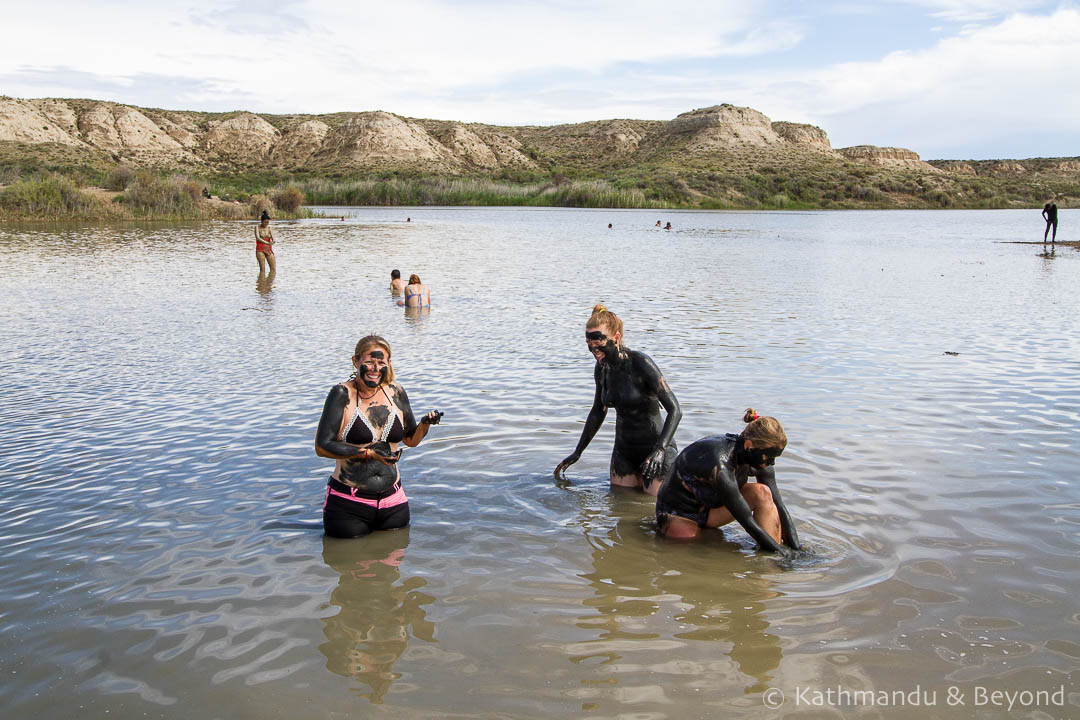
145	195
142	196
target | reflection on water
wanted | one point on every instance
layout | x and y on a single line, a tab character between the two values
264	285
160	497
379	611
655	598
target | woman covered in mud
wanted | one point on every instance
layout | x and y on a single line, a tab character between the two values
363	423
709	487
630	382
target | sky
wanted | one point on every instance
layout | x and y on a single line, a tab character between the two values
949	79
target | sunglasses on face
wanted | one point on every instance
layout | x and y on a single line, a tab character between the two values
763	456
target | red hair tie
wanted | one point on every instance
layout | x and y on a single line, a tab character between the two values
754	418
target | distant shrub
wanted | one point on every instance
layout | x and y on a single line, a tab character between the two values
120	177
289	199
152	195
258	203
47	197
192	188
231	211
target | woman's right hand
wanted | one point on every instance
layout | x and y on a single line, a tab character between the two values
560	470
372	454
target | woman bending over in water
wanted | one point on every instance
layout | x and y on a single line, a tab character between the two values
363	422
709	486
630	382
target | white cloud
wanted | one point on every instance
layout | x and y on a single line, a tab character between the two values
974	10
325	55
556	61
992	82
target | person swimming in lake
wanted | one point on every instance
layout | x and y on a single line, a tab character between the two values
708	487
668	226
264	245
364	421
629	381
397	285
417	294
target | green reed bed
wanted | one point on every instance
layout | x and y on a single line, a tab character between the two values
471	191
48	198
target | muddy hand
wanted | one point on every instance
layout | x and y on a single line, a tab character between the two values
560	470
372	454
653	465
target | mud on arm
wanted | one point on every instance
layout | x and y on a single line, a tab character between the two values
767	477
414	431
326	443
654	381
593	421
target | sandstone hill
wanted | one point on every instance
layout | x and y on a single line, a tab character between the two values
705	153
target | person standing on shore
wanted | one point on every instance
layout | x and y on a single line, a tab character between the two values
264	245
1049	214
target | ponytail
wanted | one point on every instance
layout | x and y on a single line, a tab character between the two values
763	431
602	317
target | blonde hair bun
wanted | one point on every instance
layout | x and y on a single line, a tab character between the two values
749	415
599	308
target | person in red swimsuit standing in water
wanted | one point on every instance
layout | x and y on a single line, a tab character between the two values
264	245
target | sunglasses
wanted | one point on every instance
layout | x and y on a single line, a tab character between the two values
763	456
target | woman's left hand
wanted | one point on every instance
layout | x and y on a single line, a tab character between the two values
434	417
653	465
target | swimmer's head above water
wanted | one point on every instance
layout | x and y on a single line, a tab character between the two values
372	361
763	439
603	334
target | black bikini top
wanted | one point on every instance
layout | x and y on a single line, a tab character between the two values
362	433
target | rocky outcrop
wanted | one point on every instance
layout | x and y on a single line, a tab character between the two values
374	139
957	167
808	136
22	122
182	129
723	127
616	136
1005	168
106	132
299	144
465	145
244	139
508	149
886	157
59	114
98	126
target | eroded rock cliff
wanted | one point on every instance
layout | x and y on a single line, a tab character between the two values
105	132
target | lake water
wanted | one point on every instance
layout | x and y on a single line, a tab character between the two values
160	499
